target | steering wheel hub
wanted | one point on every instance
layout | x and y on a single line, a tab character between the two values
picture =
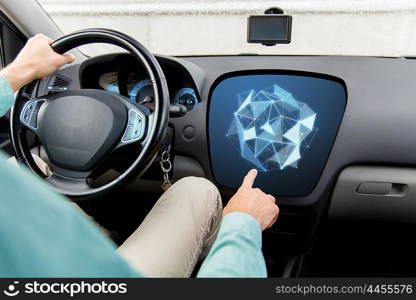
78	128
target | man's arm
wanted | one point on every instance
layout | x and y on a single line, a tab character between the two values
6	96
43	235
237	249
36	60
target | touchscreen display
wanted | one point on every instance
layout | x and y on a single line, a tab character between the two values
269	28
282	125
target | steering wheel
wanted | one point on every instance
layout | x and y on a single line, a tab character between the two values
80	129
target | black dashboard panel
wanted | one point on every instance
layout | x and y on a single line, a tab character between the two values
283	125
377	127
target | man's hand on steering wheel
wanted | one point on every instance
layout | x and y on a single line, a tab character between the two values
82	129
36	60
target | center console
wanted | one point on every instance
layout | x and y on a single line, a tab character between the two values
283	125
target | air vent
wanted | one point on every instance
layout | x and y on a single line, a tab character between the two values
58	83
30	88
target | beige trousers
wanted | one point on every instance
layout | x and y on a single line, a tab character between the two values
178	231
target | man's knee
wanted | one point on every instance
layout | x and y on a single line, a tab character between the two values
197	188
197	184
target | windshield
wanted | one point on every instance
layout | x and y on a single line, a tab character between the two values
217	27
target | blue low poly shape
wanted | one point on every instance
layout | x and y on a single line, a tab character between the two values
271	129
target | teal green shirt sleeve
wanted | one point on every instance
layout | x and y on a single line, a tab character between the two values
42	234
6	96
237	249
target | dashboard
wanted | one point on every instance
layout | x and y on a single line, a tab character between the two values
323	125
121	74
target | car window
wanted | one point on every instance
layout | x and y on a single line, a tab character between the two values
215	27
11	41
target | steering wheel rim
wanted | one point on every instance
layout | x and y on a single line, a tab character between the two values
78	188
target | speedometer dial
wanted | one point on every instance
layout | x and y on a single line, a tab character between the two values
108	81
187	97
140	90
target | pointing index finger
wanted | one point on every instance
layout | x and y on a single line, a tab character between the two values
249	179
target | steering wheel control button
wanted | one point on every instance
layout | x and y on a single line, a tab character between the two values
137	128
33	122
128	134
133	117
29	115
134	130
26	117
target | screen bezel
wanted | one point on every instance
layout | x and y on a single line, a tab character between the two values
270	42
